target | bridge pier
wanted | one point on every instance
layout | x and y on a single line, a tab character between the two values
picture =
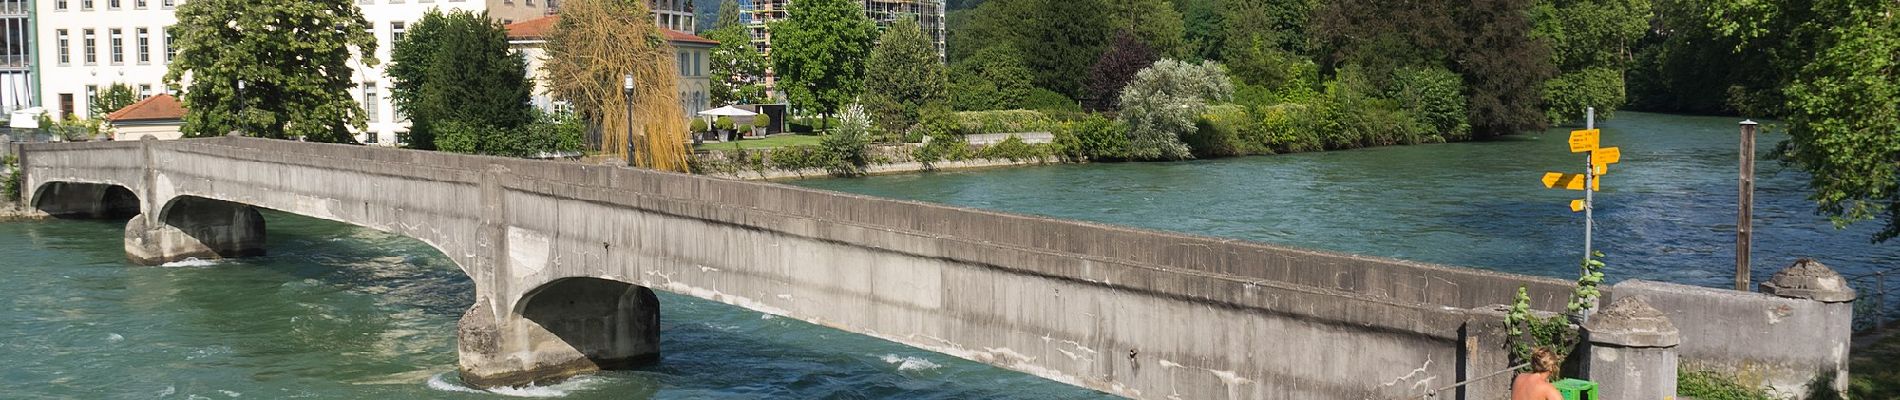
562	329
193	227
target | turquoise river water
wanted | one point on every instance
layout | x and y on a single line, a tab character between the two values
338	311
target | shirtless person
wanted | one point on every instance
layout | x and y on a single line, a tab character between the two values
1535	385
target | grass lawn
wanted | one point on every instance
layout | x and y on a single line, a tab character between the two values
765	143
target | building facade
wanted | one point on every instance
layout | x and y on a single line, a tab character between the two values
929	15
16	55
87	45
692	58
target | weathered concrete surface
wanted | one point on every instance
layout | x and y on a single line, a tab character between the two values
1136	313
1632	351
193	227
1766	341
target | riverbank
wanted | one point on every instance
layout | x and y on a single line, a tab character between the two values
10	212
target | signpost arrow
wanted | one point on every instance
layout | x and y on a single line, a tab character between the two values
1584	140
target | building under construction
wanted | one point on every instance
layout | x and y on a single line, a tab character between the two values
928	13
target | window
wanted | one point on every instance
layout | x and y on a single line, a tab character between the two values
92	95
697	67
65	44
371	104
118	46
167	3
170	52
112	4
145	91
85	5
140	4
145	46
92	47
683	63
503	22
65	105
395	33
59	5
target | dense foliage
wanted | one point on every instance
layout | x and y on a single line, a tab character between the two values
10	188
457	67
1126	56
1161	103
549	135
992	79
1843	111
819	52
903	75
1058	40
288	56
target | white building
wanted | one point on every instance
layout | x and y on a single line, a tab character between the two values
89	44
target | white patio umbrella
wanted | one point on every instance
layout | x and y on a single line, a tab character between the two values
727	111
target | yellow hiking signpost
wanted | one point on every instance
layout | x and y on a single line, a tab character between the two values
1597	162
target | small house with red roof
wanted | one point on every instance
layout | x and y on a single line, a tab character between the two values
693	57
161	116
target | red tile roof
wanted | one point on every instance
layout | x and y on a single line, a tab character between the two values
160	107
539	28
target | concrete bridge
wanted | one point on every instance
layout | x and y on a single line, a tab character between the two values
565	259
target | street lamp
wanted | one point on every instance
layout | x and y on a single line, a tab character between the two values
627	88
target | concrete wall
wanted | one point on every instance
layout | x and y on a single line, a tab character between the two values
1137	313
1777	343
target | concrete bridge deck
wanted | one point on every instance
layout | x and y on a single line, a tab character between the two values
564	258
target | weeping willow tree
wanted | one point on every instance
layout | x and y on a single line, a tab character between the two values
593	47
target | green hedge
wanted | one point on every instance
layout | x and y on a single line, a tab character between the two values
1219	132
1005	121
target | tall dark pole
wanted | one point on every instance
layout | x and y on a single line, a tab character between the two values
1744	221
627	86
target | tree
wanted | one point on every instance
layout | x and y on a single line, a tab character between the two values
1203	31
903	74
819	51
993	79
289	57
112	98
1057	39
1115	68
1504	68
1156	22
596	45
738	70
1161	104
1590	43
1842	111
728	16
457	66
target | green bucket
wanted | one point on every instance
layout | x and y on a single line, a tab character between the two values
1577	389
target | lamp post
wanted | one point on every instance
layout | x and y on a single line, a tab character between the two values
627	88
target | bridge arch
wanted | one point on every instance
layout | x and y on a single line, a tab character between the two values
68	199
562	328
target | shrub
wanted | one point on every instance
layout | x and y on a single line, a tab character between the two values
1013	149
11	188
560	132
844	148
549	133
1006	121
1288	128
1350	115
723	123
698	125
1161	104
1048	100
1712	385
762	121
795	158
459	137
1567	95
1218	132
1094	137
1436	97
942	146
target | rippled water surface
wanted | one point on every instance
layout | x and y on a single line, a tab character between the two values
339	312
1667	211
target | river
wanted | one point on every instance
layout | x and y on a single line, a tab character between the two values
338	311
1666	212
